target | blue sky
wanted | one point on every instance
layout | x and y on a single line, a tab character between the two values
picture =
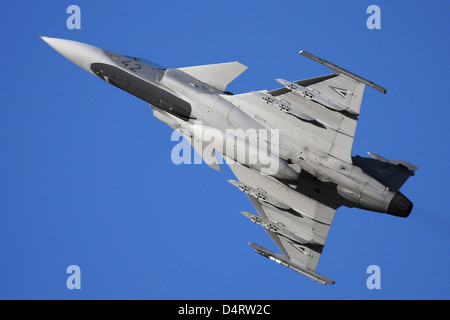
86	176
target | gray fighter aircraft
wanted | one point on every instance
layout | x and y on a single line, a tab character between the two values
296	176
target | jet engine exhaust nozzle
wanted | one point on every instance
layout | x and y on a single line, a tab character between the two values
400	206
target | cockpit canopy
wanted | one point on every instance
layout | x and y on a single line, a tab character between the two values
150	63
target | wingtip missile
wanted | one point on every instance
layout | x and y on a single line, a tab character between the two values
284	261
343	71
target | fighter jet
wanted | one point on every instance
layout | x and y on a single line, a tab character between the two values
289	148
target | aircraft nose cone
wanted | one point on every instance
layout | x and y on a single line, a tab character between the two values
72	50
79	53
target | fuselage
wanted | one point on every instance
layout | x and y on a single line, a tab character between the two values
209	112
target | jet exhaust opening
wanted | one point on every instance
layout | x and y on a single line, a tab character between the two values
400	206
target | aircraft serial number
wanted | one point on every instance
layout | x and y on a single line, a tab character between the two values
131	65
